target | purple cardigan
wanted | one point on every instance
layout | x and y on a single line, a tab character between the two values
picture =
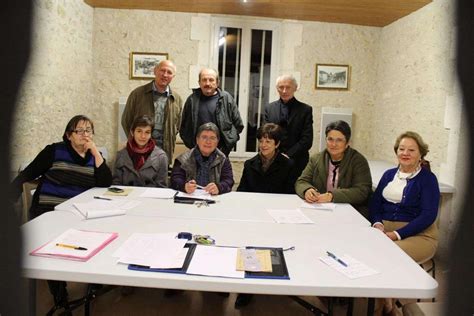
418	207
184	169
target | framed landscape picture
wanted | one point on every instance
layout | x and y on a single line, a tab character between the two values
332	77
142	64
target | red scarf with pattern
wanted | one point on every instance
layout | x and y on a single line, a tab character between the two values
137	154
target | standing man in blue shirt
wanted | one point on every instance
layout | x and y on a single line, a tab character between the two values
207	104
157	100
296	120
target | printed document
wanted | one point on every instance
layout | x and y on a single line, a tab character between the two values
355	269
163	251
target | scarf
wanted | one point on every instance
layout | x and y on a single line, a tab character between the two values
266	163
139	155
203	165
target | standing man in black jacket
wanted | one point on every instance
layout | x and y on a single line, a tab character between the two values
296	120
207	104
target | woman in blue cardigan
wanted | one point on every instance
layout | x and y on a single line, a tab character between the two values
405	203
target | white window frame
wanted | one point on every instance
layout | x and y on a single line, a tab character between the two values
246	25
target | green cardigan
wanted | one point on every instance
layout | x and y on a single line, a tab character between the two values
355	181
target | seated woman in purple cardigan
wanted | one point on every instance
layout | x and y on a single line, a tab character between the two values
405	204
203	166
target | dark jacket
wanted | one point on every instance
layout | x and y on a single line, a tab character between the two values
355	182
154	173
418	207
297	137
275	180
185	169
228	120
62	174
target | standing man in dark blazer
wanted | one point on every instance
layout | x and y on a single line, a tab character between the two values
296	120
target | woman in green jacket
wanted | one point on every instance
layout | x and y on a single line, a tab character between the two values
338	174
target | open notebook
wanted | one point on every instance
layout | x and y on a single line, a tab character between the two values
74	244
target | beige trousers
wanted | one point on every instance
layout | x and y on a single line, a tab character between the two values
420	247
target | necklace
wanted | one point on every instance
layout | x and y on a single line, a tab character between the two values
411	175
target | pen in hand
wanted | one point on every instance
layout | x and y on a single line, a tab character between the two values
330	254
70	246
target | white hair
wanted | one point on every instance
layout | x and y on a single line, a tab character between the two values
287	77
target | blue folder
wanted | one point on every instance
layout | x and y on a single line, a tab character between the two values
279	268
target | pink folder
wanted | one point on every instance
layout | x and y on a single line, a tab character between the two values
74	244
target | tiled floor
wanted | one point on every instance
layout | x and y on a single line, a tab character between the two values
153	302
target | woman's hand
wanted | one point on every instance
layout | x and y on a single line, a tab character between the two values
380	227
90	145
190	186
391	235
212	188
311	195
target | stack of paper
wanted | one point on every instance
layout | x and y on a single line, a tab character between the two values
215	261
73	244
102	208
160	251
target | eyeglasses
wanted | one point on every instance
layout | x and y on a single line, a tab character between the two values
335	140
208	138
81	131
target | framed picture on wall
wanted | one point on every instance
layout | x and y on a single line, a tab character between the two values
142	64
332	77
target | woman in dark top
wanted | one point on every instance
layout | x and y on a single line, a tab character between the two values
269	170
65	169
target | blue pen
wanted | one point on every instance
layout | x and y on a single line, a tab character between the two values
330	254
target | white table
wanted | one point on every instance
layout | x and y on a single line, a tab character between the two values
399	275
233	206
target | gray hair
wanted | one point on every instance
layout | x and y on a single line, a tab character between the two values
287	77
208	127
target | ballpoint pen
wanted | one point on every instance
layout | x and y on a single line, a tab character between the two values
70	246
102	198
330	254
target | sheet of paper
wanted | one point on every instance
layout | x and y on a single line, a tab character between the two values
152	250
63	245
319	206
158	193
179	260
215	261
101	208
355	269
289	217
198	194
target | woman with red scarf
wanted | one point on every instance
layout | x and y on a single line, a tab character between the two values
141	163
